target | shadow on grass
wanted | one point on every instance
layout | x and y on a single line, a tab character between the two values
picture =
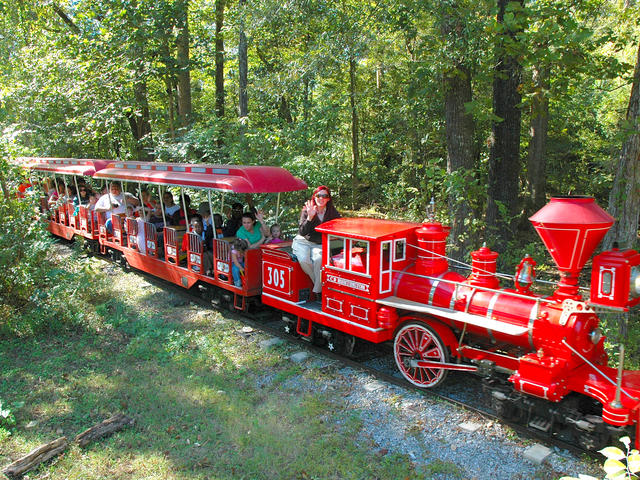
199	397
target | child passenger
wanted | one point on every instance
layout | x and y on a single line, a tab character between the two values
238	250
275	234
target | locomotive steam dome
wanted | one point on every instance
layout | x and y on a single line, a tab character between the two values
571	228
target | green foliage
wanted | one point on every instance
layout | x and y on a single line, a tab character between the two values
622	465
38	290
76	87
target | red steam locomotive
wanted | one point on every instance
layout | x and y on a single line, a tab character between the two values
390	281
542	358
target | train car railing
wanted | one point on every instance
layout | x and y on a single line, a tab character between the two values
73	220
118	230
151	239
131	227
88	221
171	245
85	214
222	260
194	255
62	215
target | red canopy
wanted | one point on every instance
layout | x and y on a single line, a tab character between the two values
63	166
226	178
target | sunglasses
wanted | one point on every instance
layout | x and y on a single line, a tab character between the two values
322	195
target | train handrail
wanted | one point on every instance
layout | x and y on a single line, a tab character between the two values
131	225
476	287
194	255
151	239
171	245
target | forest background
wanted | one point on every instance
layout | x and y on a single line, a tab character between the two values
488	106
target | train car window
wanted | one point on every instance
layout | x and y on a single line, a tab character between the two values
399	250
336	254
385	267
359	256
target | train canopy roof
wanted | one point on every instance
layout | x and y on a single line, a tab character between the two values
63	166
224	178
365	228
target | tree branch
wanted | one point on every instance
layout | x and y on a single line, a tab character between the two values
65	18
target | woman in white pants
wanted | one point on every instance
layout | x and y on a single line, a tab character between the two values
307	245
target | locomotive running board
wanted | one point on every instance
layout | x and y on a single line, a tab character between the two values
471	319
442	366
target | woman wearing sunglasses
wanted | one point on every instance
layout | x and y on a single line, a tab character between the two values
307	245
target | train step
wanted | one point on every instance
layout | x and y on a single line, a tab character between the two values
540	423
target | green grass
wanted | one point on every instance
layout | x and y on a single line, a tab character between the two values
208	403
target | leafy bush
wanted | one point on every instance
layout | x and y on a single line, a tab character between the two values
619	464
38	291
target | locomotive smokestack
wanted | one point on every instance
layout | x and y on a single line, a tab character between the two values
571	228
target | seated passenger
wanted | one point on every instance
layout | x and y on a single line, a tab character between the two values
307	245
251	230
234	220
205	213
218	223
82	199
114	203
274	234
171	210
207	243
69	194
84	193
238	250
142	241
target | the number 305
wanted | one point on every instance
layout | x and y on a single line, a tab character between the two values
275	277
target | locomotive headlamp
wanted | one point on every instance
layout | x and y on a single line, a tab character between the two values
615	279
634	282
595	336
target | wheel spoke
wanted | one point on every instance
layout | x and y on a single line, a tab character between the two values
426	341
433	353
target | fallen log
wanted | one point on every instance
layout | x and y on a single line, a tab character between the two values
109	426
36	457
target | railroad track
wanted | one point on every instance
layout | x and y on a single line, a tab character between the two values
377	361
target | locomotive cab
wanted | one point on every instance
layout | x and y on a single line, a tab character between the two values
361	259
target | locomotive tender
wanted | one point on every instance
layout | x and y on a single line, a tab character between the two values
542	358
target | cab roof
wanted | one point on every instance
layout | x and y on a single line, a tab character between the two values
63	166
225	178
365	228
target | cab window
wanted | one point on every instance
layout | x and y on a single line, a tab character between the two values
349	255
399	250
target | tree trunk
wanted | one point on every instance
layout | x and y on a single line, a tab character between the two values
243	110
460	129
140	124
624	200
184	68
355	148
305	98
284	111
536	163
504	153
138	117
219	58
170	103
460	148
